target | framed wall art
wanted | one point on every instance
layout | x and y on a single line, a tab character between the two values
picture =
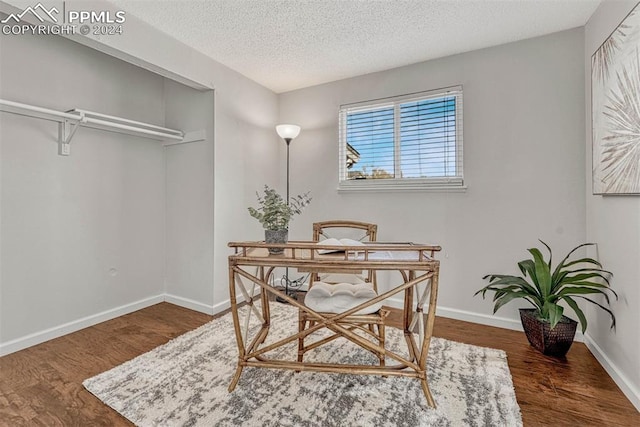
615	104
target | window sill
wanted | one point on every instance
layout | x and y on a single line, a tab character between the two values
373	185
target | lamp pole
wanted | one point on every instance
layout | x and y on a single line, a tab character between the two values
288	133
288	141
286	269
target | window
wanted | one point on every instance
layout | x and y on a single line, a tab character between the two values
412	141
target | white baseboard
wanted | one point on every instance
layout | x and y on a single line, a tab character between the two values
467	316
226	304
628	388
75	325
190	304
198	306
479	318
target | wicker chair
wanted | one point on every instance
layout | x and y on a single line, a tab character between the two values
321	298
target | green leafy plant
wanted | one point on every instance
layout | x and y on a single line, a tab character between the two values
274	213
545	287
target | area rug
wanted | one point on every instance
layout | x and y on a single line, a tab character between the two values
184	383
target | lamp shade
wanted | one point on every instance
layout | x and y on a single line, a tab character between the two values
288	131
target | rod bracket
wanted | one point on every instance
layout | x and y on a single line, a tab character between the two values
66	129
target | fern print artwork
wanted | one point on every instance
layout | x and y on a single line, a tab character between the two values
615	80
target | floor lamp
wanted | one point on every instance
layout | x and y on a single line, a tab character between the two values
288	133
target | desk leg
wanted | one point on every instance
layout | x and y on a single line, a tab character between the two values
235	283
264	302
302	323
407	315
427	392
236	377
428	330
236	326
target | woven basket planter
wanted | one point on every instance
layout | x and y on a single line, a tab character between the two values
551	342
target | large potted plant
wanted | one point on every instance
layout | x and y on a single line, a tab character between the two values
544	287
274	213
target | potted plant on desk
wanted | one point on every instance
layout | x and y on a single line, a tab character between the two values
544	287
275	213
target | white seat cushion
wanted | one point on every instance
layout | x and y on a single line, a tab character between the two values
327	298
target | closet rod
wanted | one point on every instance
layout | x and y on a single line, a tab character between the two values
23	109
107	125
94	115
89	119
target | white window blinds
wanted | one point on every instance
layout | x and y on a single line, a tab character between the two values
412	141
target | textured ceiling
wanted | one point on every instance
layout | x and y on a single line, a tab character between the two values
288	44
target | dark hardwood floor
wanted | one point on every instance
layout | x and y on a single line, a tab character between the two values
42	385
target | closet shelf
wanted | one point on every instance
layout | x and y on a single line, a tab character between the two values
69	121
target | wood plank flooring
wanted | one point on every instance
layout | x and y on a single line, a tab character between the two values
42	385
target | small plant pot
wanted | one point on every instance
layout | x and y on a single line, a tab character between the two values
276	236
551	342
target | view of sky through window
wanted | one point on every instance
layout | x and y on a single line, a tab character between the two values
371	134
426	144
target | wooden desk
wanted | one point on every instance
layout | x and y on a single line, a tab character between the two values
417	267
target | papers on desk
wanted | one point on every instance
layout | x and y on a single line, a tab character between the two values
355	254
389	256
373	255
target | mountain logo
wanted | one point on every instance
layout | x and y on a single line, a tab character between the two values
38	11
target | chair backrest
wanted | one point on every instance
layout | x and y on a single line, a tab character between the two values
325	228
355	230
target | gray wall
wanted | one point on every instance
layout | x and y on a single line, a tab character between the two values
85	233
613	222
246	146
65	222
523	159
246	157
189	198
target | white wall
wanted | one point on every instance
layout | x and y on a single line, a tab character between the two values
613	223
189	198
85	233
75	218
246	157
239	156
246	152
523	151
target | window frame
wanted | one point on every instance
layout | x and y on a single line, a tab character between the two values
448	184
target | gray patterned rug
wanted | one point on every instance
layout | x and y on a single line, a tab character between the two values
184	383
